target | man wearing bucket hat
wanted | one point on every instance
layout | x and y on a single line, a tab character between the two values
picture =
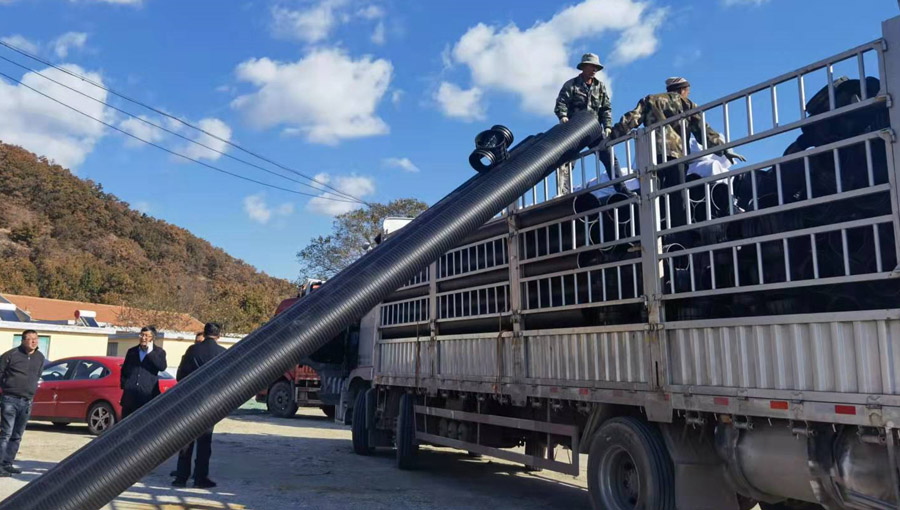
585	92
656	108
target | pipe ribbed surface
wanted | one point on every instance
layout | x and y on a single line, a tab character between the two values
102	469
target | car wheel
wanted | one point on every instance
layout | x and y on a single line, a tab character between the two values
629	467
280	401
100	418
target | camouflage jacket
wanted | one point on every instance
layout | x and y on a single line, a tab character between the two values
576	95
658	107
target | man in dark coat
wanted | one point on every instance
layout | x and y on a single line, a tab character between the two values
195	357
20	369
140	372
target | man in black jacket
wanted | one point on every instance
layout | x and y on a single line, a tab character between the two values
20	370
195	357
140	372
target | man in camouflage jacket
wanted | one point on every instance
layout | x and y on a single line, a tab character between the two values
656	108
585	92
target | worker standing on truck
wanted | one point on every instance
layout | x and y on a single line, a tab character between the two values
586	92
656	108
195	357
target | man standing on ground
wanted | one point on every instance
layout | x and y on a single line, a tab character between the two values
140	372
20	370
196	356
586	92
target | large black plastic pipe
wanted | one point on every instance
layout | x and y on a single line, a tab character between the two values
101	470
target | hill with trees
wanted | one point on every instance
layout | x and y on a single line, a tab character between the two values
64	237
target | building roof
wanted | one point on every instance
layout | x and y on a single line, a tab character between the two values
46	309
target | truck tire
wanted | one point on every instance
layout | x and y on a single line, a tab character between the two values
537	448
358	427
629	468
280	401
406	433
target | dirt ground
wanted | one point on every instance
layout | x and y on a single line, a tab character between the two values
266	463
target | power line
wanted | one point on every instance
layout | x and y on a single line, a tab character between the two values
160	147
171	132
177	119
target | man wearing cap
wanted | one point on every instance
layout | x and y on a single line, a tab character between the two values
656	108
659	107
585	92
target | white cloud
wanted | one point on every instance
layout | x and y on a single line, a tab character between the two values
142	207
358	186
213	126
397	96
62	44
327	95
534	63
371	12
47	128
309	25
141	130
20	42
316	23
458	103
259	211
378	36
402	163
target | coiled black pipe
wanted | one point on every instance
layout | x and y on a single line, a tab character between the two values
101	470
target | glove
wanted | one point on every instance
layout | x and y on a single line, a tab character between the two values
607	132
732	156
563	120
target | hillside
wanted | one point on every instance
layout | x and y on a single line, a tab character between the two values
63	237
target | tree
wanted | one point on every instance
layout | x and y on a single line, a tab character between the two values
351	234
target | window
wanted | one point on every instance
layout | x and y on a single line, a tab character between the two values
112	349
43	344
90	370
56	371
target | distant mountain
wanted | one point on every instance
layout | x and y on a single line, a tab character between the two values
64	237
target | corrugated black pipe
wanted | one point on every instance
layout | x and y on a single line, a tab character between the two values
98	472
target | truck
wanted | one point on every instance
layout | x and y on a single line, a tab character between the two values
331	377
302	386
724	336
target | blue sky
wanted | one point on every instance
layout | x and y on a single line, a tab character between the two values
381	98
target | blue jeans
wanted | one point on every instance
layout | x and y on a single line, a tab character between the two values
14	414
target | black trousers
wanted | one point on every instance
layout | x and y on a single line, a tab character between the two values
201	465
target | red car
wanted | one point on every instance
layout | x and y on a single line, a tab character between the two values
84	389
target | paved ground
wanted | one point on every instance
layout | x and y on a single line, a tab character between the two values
264	463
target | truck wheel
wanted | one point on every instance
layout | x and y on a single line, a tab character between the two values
328	410
629	468
281	400
536	448
406	433
358	427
